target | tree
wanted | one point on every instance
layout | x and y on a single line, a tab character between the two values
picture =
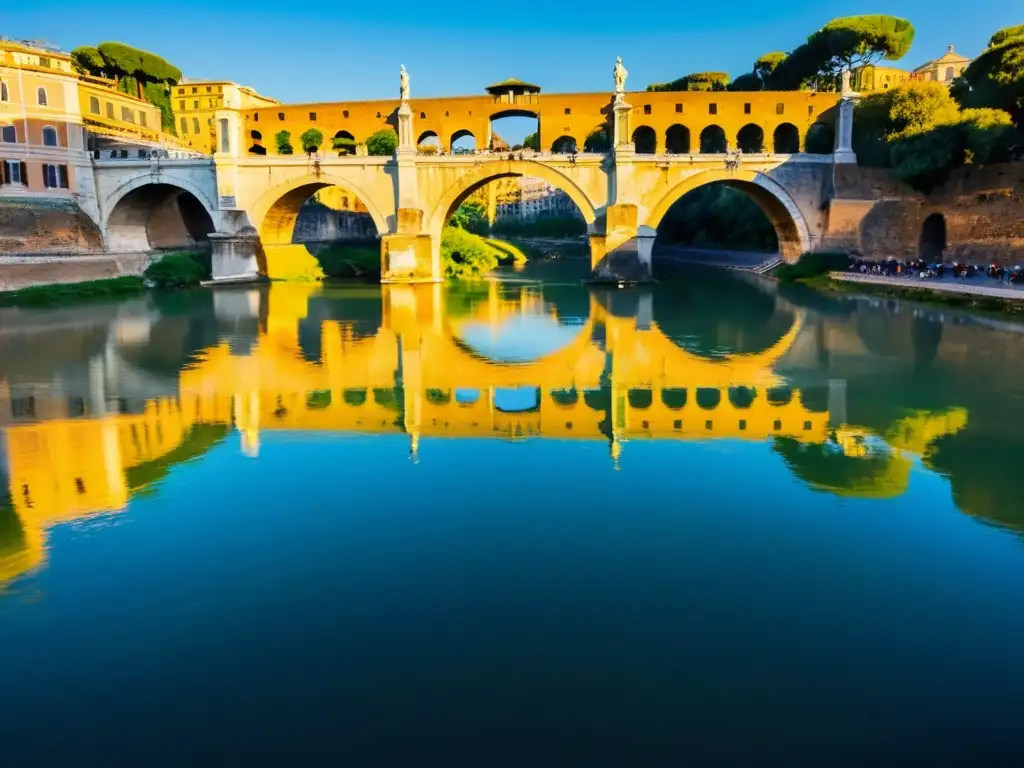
532	142
471	217
311	140
382	143
996	78
695	81
283	140
842	44
344	145
920	106
756	79
87	59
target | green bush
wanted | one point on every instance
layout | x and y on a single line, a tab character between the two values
355	258
68	293
471	217
813	264
179	270
311	140
283	141
344	144
464	254
382	143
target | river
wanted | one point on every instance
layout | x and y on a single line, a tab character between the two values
515	522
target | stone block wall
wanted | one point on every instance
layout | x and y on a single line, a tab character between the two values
46	226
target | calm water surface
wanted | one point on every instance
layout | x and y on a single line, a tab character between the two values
511	523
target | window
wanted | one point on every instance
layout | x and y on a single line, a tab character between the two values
44	61
5	95
110	110
50	136
209	89
195	90
378	115
810	110
312	115
195	125
94	105
780	108
195	104
142	118
41	96
679	108
712	109
211	103
647	109
127	115
423	115
746	108
55	176
181	105
280	115
14	172
181	91
256	117
256	135
184	125
568	111
9	134
344	113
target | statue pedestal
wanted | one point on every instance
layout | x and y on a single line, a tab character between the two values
406	142
621	112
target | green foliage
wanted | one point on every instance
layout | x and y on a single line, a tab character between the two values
842	44
556	227
311	140
157	94
179	270
344	144
464	254
996	78
717	216
283	141
820	140
471	217
813	264
598	140
768	63
532	142
382	143
747	82
695	81
920	106
871	129
924	160
87	59
69	293
350	258
988	135
124	60
200	439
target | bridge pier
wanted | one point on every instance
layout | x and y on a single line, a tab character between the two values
623	252
235	256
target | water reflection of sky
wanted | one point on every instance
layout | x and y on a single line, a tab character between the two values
518	339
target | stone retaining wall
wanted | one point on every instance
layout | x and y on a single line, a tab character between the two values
24	272
46	226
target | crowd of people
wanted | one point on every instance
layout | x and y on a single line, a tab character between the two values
922	270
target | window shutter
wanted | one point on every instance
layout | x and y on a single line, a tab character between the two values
24	174
63	176
46	175
3	172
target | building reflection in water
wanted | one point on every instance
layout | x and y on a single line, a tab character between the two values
426	361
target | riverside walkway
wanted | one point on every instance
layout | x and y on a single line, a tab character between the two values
980	286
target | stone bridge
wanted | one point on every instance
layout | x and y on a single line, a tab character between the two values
248	203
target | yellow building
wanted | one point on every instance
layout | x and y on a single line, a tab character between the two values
107	111
944	69
196	102
41	135
872	77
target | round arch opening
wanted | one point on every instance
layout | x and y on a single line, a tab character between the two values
932	242
158	217
514	130
713	141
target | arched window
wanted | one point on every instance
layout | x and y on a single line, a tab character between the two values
5	95
256	135
786	139
750	138
645	140
50	136
41	96
677	140
712	140
94	105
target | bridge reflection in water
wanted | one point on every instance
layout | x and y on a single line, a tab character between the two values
617	377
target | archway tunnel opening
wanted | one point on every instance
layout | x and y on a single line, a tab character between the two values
932	243
734	222
507	218
513	130
319	230
158	217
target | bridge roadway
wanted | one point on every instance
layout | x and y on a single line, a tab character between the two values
248	203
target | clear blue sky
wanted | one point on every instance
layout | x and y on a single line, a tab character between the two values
336	52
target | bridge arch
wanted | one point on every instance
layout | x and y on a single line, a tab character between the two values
780	208
481	174
677	139
275	212
464	133
147	213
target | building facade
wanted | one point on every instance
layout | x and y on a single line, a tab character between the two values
872	77
944	69
196	102
109	112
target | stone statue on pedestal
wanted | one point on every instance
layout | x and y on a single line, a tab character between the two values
846	82
403	84
620	76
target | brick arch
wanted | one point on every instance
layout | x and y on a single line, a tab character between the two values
485	172
275	212
777	204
